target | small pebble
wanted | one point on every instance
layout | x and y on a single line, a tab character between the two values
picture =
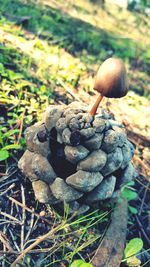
42	213
61	125
75	138
66	134
94	162
87	133
103	191
99	125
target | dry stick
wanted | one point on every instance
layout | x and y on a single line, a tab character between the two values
28	209
5	241
10	217
14	241
142	229
30	227
8	189
34	244
6	176
21	125
95	107
143	199
110	251
23	217
143	165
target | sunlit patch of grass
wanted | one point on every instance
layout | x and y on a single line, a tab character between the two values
61	45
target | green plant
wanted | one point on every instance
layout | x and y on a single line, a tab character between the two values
80	263
5	145
131	250
128	191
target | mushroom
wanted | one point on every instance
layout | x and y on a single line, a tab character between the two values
110	81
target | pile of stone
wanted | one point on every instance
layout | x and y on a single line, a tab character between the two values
76	158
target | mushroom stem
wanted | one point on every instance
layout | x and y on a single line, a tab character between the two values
95	106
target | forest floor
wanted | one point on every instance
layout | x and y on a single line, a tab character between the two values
49	53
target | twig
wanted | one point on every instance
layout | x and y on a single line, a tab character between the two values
15	243
30	227
148	188
7	222
28	209
23	217
146	169
5	241
21	125
137	137
143	199
4	247
10	217
9	182
2	174
6	176
8	189
36	243
8	252
142	229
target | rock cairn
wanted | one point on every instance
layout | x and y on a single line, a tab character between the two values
76	158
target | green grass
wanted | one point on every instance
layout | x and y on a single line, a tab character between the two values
52	49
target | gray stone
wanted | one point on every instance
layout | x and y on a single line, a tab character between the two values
94	142
84	181
127	155
74	124
82	107
64	192
121	134
72	111
25	165
29	135
103	191
94	162
87	125
86	118
132	147
114	123
42	168
69	116
32	141
61	125
82	125
42	192
114	161
74	154
112	139
87	133
99	125
59	138
66	134
79	116
52	115
73	206
128	174
104	113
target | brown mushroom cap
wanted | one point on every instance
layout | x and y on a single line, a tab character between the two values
111	78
